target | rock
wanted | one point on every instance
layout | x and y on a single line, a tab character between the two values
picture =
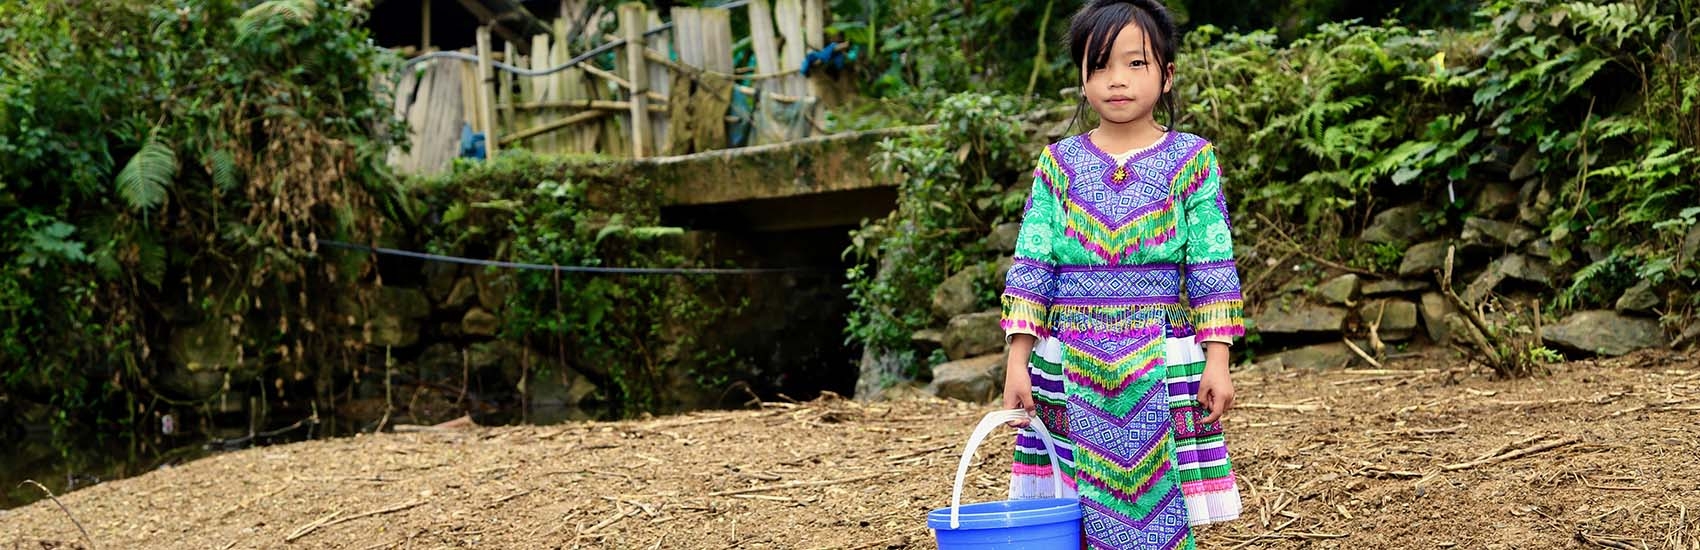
206	346
1003	237
1297	284
1400	224
1339	290
1690	245
1422	260
495	353
1482	286
878	369
1525	166
407	303
1484	230
1513	267
1321	356
1301	320
1604	333
561	387
1461	330
1275	364
1691	335
1434	309
461	293
931	336
904	391
956	295
439	280
1596	253
1398	320
478	322
1394	286
973	334
1639	298
1496	200
189	384
975	380
1540	248
926	341
1522	268
1000	272
392	330
493	288
439	361
1536	204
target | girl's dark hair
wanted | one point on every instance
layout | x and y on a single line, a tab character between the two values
1097	24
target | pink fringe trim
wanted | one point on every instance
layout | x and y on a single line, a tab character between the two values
1203	486
1016	326
1205	333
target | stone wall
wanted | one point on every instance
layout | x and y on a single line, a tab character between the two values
1310	310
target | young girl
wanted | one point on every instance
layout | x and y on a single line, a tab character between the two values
1131	377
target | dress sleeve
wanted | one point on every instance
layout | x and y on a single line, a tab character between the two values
1212	280
1032	280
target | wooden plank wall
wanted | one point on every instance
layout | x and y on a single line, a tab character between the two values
580	110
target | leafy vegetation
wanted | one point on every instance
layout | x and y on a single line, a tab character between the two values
953	186
188	168
177	162
1324	130
633	334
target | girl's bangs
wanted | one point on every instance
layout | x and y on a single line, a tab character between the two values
1101	34
1107	24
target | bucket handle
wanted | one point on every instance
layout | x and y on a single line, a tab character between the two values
991	421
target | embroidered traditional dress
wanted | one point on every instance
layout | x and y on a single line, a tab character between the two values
1123	266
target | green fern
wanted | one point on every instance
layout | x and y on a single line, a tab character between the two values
143	182
271	14
222	165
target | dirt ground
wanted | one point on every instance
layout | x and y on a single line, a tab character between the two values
1422	454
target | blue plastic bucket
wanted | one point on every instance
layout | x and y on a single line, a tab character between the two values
1036	524
1026	524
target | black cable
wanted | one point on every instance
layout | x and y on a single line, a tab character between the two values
565	268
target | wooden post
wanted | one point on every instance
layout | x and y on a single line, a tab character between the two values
765	44
814	34
789	17
661	82
425	25
717	40
814	24
541	88
632	23
505	89
486	85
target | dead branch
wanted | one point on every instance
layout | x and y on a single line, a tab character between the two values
1510	455
334	519
1481	337
1294	245
793	485
1583	537
1360	351
62	508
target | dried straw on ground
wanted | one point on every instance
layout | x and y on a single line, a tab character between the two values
1420	454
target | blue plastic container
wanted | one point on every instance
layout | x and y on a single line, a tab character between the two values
1036	524
1026	524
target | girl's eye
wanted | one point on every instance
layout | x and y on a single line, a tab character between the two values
1137	63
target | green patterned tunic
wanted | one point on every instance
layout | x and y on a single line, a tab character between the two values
1122	267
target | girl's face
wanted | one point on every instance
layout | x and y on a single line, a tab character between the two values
1127	88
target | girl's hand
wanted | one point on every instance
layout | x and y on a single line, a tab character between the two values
1215	387
1017	387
